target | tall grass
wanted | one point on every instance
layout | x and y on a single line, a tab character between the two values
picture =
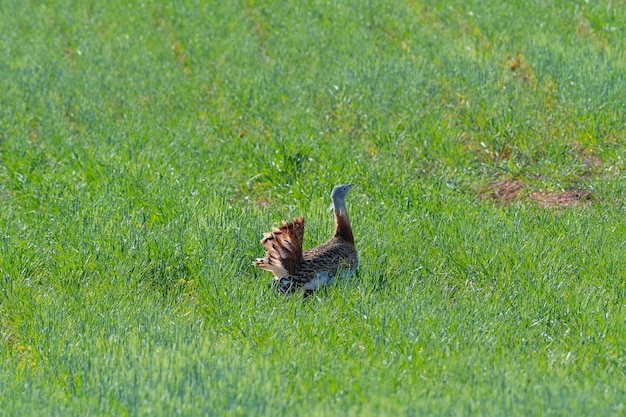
145	148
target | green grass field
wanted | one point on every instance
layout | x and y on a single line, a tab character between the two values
145	148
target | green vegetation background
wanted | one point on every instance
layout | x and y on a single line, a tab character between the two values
145	147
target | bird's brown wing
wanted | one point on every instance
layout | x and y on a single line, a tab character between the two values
284	248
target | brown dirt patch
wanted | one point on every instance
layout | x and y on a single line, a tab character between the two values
508	191
505	191
570	198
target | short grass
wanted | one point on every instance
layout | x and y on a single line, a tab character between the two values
145	147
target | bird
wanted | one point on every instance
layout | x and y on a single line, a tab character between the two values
321	265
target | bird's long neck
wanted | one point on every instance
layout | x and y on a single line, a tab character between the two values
343	229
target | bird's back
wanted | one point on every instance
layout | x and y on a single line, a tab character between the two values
332	254
322	264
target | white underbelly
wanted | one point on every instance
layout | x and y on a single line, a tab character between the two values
326	278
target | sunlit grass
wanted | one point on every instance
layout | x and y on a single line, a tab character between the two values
145	148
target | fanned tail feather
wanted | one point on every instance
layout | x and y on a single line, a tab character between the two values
284	249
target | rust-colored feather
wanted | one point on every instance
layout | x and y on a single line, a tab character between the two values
284	248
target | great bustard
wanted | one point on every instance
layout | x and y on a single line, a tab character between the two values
318	266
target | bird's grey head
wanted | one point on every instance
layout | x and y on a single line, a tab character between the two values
339	194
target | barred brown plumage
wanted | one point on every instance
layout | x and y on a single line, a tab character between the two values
318	266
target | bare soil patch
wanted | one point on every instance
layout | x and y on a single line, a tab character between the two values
507	191
569	198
